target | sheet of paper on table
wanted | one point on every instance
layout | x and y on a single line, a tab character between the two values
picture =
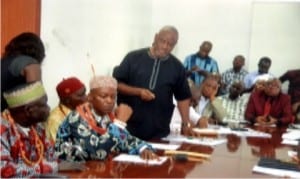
293	127
252	133
276	172
292	153
291	135
194	140
223	130
138	159
164	146
289	142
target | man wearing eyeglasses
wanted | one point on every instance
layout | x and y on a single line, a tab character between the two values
269	106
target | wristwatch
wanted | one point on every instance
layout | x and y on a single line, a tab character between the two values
186	124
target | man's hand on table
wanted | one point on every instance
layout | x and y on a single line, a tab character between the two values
148	155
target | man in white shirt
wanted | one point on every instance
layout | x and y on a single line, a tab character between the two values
263	68
210	107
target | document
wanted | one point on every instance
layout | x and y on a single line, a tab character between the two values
252	133
292	153
276	172
291	135
242	132
195	140
277	168
138	159
221	130
294	126
164	146
289	142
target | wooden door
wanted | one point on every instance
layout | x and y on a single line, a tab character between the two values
19	16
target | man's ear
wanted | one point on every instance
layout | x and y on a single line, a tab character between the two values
65	101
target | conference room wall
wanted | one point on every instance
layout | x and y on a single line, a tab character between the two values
78	33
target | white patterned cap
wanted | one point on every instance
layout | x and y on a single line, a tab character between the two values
103	81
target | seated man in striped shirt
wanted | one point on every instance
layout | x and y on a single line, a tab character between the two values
235	103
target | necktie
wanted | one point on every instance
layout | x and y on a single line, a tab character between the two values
267	107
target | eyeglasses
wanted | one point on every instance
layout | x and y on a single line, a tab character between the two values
273	85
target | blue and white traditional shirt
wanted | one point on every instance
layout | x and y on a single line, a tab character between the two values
76	140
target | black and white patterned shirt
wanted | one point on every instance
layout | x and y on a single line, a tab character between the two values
230	76
235	108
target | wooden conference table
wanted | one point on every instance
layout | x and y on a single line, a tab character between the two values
233	159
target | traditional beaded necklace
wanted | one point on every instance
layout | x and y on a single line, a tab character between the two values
37	141
86	113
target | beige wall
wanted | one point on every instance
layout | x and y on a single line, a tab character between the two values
79	32
276	33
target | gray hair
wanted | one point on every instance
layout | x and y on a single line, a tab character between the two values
169	28
103	81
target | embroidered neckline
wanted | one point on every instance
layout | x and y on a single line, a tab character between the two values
87	115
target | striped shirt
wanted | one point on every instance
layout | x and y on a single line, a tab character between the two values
208	64
235	108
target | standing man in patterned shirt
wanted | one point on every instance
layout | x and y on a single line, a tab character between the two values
264	65
234	74
200	64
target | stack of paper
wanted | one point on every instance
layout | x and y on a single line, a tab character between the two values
291	137
138	159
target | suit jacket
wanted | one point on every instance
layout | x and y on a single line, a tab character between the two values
280	107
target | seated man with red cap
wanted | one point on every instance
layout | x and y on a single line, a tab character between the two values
97	128
25	151
71	92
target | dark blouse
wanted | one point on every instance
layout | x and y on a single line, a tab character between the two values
293	76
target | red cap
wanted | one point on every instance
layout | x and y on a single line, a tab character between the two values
68	86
